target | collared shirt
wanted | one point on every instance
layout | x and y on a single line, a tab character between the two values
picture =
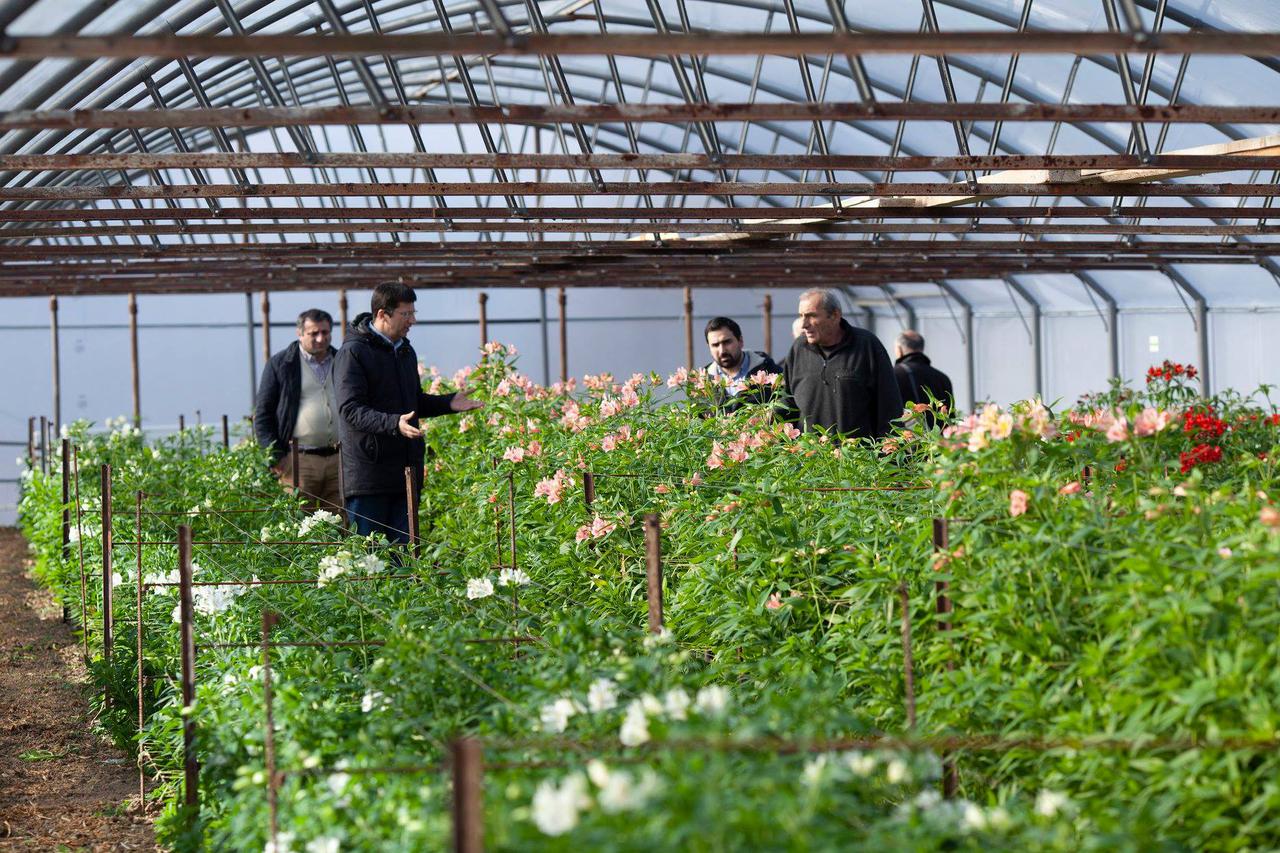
395	345
319	366
744	369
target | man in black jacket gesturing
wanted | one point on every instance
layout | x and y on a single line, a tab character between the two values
839	377
380	400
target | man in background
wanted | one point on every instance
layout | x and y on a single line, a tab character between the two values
839	377
380	402
918	380
296	399
734	364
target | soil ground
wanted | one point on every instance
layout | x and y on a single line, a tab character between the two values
61	785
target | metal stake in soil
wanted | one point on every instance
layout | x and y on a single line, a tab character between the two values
226	433
186	609
768	323
483	299
411	506
467	760
137	527
653	567
293	464
941	544
908	663
84	582
589	489
106	567
269	620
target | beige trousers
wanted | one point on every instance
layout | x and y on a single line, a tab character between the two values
317	480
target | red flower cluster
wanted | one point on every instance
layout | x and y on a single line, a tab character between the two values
1203	425
1169	370
1201	454
1274	420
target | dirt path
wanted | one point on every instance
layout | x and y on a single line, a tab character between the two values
60	785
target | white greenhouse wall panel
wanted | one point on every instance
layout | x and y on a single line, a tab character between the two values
1243	347
1076	359
1003	359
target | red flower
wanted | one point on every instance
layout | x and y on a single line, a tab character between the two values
1201	454
1203	425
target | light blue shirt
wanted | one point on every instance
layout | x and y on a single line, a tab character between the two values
395	345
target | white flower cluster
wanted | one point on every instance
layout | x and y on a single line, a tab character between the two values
898	770
374	700
284	844
959	814
211	600
317	519
557	808
121	427
602	696
344	562
483	587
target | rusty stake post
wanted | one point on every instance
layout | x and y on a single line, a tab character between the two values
941	544
483	299
515	596
908	663
269	620
133	359
342	312
137	550
226	433
468	795
182	423
55	351
589	489
44	444
31	443
66	503
266	327
106	565
84	582
688	327
293	465
564	336
186	613
768	323
653	570
411	508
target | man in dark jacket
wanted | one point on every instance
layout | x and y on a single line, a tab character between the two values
838	377
918	380
296	400
733	364
380	400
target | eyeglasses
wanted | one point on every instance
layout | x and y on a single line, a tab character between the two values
406	313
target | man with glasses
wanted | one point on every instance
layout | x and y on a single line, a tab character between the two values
380	401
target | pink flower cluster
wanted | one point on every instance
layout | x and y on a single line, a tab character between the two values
1018	500
624	435
739	449
552	488
1116	426
598	382
626	399
495	348
597	529
571	417
980	429
683	377
563	389
517	454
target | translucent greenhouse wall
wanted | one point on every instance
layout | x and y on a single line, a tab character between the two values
195	349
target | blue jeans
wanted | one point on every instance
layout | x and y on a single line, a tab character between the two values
385	514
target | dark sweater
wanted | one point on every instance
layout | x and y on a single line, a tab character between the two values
376	384
851	389
918	379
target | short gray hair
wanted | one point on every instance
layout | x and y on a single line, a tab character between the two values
911	341
827	298
315	315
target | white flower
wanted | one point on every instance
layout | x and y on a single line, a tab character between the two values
897	772
171	576
619	791
211	600
998	819
283	843
479	588
373	699
512	577
324	844
661	638
334	566
814	770
554	717
635	726
1049	803
972	818
556	807
370	564
927	799
712	700
116	580
337	783
650	705
676	703
602	695
860	763
317	518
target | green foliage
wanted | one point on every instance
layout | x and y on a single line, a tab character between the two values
1112	652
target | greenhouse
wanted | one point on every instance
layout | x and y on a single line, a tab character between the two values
640	424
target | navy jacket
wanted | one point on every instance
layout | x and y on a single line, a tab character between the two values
375	385
850	391
275	412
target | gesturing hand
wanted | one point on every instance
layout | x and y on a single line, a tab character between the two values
407	429
462	403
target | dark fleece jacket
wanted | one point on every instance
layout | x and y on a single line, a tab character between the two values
376	384
850	390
